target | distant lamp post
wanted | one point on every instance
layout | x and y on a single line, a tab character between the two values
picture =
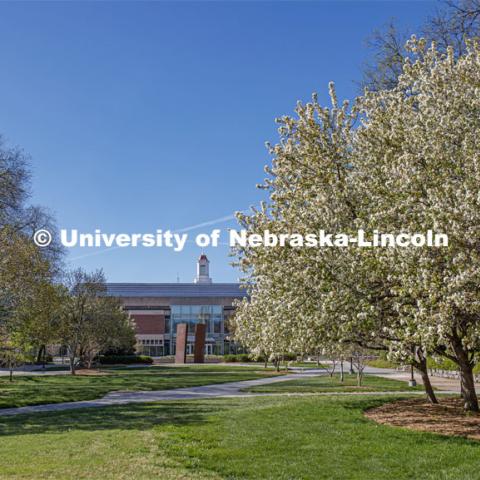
412	382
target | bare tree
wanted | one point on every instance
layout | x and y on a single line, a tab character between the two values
14	183
387	46
16	213
450	25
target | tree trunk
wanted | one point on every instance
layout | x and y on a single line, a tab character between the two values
341	371
11	371
41	354
334	366
72	365
359	378
467	385
421	366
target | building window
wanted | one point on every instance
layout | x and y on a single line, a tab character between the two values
153	347
211	315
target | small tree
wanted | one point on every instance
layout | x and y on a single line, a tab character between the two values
11	354
108	327
78	310
90	321
359	357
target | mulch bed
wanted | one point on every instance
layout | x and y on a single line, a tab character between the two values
446	418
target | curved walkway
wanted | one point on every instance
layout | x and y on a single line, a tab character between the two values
222	390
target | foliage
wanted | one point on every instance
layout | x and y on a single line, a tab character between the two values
240	357
90	321
248	357
27	293
400	160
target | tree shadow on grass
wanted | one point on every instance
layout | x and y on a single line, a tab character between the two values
122	417
367	401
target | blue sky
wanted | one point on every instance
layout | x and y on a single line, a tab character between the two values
140	116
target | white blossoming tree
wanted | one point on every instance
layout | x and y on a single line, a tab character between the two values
411	164
418	156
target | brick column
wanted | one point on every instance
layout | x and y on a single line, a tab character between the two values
181	343
199	348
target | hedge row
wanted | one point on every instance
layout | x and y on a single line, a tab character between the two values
245	357
240	357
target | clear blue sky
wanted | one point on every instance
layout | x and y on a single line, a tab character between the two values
154	115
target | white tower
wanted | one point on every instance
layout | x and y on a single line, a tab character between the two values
202	270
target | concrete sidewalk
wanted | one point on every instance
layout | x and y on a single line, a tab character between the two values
29	370
445	385
122	398
223	390
439	383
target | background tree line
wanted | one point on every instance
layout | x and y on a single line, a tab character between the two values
41	303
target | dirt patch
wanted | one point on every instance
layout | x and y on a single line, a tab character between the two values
446	418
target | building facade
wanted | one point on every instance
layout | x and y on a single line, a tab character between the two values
157	308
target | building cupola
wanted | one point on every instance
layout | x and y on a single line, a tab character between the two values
203	275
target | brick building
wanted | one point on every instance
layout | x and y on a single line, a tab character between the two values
157	308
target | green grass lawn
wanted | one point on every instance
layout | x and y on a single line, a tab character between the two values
325	383
33	390
244	438
381	363
309	365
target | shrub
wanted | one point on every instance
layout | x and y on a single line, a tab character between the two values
239	357
125	359
246	357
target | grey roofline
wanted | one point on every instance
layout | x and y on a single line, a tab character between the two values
175	290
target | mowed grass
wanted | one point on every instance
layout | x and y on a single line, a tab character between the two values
325	383
242	438
34	390
307	365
